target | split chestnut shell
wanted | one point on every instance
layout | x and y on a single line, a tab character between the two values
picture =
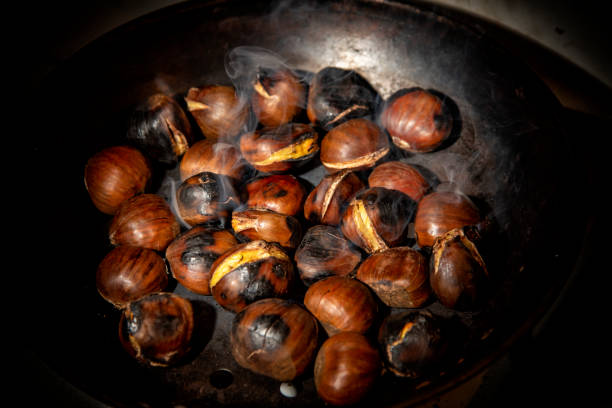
214	157
278	96
268	226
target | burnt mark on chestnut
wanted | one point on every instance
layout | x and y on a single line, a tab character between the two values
268	332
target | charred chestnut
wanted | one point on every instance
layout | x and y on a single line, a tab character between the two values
214	157
346	367
278	96
397	175
115	174
146	221
399	276
356	145
416	120
281	193
274	337
341	303
249	272
268	226
192	253
325	252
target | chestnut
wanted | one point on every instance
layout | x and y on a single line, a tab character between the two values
356	144
115	174
328	200
442	211
337	95
346	368
214	157
399	276
146	221
268	226
218	110
157	328
281	193
416	120
278	97
397	175
341	303
377	218
160	127
191	255
249	272
325	252
280	149
274	337
127	273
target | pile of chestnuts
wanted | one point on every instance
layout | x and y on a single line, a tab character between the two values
333	280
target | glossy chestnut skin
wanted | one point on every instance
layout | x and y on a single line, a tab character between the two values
191	255
377	218
328	200
214	157
146	221
268	226
157	328
274	337
356	144
218	110
280	149
442	211
278	96
397	175
249	272
160	127
346	367
337	95
281	193
127	273
399	276
341	303
115	174
325	252
416	120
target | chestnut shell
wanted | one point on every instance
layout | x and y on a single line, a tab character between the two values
268	226
214	157
281	193
278	97
397	175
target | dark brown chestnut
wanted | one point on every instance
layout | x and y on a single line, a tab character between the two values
274	337
356	144
328	200
115	174
325	252
157	328
280	149
442	211
146	221
281	193
214	157
249	272
399	276
268	226
192	253
127	273
397	175
278	97
346	367
341	303
416	120
161	128
377	218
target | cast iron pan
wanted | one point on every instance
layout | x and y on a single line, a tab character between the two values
509	154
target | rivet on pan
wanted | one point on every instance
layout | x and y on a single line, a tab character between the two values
222	378
288	390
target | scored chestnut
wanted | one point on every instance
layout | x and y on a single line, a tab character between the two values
278	96
268	226
397	175
281	193
214	157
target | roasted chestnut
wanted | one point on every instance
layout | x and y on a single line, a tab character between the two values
206	197
346	367
249	272
279	149
115	174
278	96
218	110
146	221
268	226
399	276
127	273
328	200
276	338
325	252
442	211
281	193
377	218
192	253
341	303
397	175
160	127
157	328
214	157
356	144
416	120
458	273
337	95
